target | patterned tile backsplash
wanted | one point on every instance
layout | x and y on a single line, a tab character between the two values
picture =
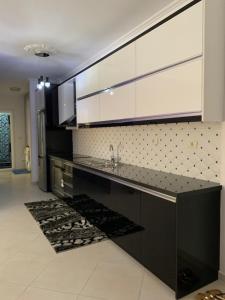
190	149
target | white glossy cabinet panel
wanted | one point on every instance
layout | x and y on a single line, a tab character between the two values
118	67
173	91
119	105
87	82
176	40
88	110
66	101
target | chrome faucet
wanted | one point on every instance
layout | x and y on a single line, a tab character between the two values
115	159
118	158
112	158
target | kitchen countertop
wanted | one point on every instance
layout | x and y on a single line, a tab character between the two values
163	182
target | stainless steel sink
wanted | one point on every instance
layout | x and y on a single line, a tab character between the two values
99	163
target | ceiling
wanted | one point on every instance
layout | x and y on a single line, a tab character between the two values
77	29
5	86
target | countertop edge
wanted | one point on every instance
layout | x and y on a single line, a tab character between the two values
141	185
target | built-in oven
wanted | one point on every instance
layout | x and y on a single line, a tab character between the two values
68	180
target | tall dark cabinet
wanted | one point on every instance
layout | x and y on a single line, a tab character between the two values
52	139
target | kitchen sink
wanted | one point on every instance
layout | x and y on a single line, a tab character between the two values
99	163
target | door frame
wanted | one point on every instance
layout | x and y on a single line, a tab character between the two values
10	113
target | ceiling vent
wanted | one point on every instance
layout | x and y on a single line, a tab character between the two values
40	50
15	89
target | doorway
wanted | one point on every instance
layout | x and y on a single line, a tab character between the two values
5	141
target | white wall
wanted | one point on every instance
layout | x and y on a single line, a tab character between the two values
15	105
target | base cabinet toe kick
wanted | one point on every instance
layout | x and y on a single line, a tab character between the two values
178	241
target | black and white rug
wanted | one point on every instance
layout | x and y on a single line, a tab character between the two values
72	223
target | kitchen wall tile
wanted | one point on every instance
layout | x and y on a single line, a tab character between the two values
190	149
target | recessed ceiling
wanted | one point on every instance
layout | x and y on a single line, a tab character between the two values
77	29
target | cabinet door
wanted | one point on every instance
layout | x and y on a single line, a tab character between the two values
176	40
173	91
87	82
126	202
118	103
93	186
66	101
158	244
88	110
118	67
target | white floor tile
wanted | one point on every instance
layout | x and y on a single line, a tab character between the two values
10	291
153	288
22	269
41	294
88	298
114	281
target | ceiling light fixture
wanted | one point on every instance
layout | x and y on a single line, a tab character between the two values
15	89
47	83
40	50
43	83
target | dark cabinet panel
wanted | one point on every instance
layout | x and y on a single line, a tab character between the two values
126	202
51	107
122	225
198	227
158	244
93	186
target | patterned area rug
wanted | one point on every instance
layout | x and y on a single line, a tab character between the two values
72	223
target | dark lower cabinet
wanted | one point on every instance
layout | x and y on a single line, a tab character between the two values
158	242
198	240
96	187
177	241
126	201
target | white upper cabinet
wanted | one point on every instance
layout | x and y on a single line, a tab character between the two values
118	67
177	90
87	82
176	40
118	104
88	110
66	101
176	69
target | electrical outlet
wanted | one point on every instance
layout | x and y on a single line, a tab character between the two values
194	144
155	141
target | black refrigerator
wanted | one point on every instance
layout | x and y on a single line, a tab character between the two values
52	139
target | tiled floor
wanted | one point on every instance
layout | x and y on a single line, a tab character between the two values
30	269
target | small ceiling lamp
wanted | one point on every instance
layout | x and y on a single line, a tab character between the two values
43	83
47	83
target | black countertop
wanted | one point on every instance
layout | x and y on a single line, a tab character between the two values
163	182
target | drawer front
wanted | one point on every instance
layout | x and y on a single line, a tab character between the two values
176	40
68	168
68	191
68	179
